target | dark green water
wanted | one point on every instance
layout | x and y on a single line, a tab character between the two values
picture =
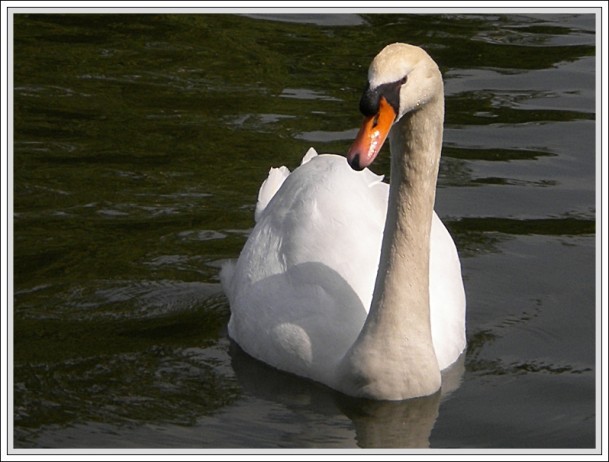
140	142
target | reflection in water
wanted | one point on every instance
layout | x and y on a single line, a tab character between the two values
386	424
377	424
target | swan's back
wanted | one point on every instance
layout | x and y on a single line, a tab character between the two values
302	286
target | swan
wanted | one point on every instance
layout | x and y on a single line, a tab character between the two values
346	280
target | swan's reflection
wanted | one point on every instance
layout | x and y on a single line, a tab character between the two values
377	424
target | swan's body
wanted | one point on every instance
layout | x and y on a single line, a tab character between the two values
305	295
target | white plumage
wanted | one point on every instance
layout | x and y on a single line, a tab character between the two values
303	285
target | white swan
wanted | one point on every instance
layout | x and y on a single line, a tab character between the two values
308	294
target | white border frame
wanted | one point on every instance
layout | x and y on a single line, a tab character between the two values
327	7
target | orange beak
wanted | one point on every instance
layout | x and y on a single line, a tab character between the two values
371	136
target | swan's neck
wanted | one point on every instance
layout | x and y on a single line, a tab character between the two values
393	357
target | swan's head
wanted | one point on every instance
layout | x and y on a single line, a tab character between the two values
402	78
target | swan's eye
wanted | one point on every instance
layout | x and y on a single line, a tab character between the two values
391	92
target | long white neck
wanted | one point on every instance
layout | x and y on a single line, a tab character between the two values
393	357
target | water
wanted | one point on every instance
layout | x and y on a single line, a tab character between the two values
140	144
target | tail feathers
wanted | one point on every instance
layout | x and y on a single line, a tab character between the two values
308	156
274	181
268	189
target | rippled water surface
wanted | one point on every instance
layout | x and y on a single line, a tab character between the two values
140	142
